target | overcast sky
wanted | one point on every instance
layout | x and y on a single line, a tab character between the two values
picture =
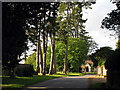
95	17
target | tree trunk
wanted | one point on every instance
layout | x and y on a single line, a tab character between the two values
25	55
41	59
74	20
54	65
44	55
54	61
52	57
66	53
77	32
12	74
44	48
37	54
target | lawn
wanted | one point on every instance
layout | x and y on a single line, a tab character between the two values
20	82
90	73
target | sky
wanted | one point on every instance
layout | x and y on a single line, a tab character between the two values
95	16
93	25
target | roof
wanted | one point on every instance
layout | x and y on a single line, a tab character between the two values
89	61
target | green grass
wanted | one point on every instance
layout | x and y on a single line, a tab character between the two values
20	82
90	72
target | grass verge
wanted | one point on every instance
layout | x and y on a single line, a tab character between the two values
20	82
90	73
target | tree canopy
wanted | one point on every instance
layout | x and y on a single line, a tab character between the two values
77	53
101	55
112	21
14	39
36	22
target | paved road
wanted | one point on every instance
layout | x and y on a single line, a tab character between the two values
68	82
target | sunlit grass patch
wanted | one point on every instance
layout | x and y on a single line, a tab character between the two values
90	72
20	82
12	85
75	74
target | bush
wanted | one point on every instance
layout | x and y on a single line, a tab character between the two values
24	70
32	60
113	62
5	72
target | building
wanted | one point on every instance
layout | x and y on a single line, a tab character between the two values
88	66
101	70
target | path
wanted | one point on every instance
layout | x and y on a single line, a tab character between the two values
68	82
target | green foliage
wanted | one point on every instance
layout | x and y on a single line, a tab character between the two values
112	21
113	62
101	55
24	71
14	39
32	60
76	22
118	44
101	62
77	52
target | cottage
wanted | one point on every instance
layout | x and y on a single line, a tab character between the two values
88	66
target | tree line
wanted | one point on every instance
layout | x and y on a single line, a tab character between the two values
36	22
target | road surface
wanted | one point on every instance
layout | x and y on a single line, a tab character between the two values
68	82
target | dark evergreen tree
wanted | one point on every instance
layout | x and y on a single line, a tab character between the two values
14	39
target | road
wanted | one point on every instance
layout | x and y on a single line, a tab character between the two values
68	82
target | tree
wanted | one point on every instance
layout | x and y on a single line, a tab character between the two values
101	55
112	22
71	23
77	52
34	28
32	60
118	44
40	26
14	39
53	26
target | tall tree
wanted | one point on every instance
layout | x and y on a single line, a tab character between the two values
40	16
14	39
34	30
71	23
66	52
53	24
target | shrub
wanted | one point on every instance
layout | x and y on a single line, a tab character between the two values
24	70
5	72
113	61
32	60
